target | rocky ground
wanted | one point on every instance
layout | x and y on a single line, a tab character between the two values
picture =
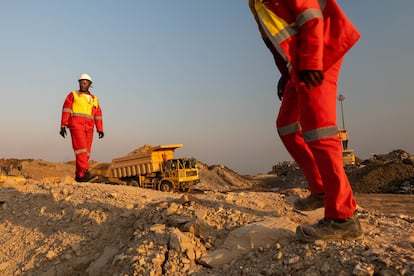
228	225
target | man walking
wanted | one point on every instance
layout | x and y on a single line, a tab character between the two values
308	39
81	112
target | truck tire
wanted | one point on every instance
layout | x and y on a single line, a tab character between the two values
166	186
133	183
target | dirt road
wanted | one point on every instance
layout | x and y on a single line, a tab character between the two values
387	203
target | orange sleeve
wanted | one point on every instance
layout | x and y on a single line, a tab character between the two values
311	37
97	116
67	110
279	61
98	119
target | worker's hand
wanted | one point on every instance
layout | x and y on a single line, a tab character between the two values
281	87
62	131
100	134
311	78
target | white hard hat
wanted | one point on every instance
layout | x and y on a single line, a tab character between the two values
85	77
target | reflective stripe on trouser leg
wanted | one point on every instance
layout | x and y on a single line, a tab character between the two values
318	120
289	130
80	147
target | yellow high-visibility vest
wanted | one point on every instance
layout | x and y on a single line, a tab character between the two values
83	103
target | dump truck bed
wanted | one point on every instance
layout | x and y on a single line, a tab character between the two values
144	160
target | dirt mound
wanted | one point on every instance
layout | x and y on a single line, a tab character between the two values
220	178
40	169
395	177
386	173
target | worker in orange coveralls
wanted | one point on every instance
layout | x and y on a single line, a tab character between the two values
308	39
81	112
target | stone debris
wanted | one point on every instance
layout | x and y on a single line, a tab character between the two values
262	234
229	225
6	194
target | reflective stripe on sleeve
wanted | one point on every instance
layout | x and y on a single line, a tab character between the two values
67	110
289	129
284	34
80	151
308	15
98	117
320	133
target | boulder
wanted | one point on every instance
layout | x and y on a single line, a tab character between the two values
242	240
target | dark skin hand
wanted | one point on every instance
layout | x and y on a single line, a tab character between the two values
311	78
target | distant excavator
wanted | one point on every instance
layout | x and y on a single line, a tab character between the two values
348	155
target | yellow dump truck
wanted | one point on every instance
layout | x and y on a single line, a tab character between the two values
348	155
155	167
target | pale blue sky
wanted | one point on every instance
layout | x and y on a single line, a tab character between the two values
191	72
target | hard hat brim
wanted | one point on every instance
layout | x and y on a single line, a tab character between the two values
85	79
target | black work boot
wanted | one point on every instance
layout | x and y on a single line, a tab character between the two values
330	229
86	177
310	203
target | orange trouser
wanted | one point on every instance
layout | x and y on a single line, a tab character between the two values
82	144
306	124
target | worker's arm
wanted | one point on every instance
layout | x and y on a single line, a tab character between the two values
309	20
279	61
98	119
67	110
99	122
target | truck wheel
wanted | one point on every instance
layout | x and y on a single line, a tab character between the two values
133	183
166	186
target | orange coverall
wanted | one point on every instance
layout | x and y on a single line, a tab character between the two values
81	112
311	35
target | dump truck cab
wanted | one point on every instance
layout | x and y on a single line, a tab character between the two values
348	157
180	173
